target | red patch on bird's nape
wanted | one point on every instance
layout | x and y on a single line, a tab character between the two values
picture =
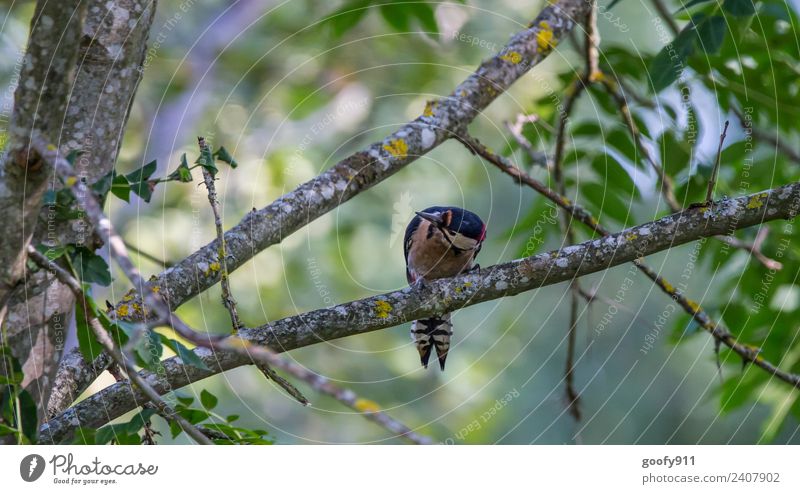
447	217
483	233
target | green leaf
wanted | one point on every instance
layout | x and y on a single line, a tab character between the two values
739	8
185	400
103	184
194	415
121	188
90	267
208	400
348	17
187	356
182	173
87	342
206	160
671	60
222	154
142	173
689	5
140	185
711	34
425	16
27	406
397	16
73	155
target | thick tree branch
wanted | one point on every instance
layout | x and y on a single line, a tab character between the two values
716	329
447	295
110	48
440	120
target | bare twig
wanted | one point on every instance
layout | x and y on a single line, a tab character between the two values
108	345
537	157
222	255
665	15
150	257
573	398
712	181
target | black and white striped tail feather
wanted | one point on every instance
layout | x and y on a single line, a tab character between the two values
432	333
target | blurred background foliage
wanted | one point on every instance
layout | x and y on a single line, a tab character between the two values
290	88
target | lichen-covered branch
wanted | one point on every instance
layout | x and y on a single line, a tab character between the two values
443	296
716	329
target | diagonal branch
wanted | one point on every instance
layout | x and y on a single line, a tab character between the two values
447	295
716	329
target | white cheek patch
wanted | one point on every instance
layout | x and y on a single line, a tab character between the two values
463	242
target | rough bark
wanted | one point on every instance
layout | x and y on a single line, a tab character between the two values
110	51
443	296
40	105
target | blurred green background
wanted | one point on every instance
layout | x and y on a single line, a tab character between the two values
289	94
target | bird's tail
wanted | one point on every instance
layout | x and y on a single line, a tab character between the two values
432	333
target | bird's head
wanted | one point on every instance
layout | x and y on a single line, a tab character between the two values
461	228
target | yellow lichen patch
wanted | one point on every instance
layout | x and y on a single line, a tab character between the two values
382	309
155	289
667	286
51	147
128	297
756	201
467	284
631	237
397	148
71	181
366	406
693	305
511	56
122	311
596	76
214	266
430	105
545	40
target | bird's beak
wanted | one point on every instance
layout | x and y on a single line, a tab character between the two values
433	218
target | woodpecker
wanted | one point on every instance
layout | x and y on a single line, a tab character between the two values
440	242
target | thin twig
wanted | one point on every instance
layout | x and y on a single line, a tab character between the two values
537	157
108	345
716	329
148	256
712	181
666	16
227	296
